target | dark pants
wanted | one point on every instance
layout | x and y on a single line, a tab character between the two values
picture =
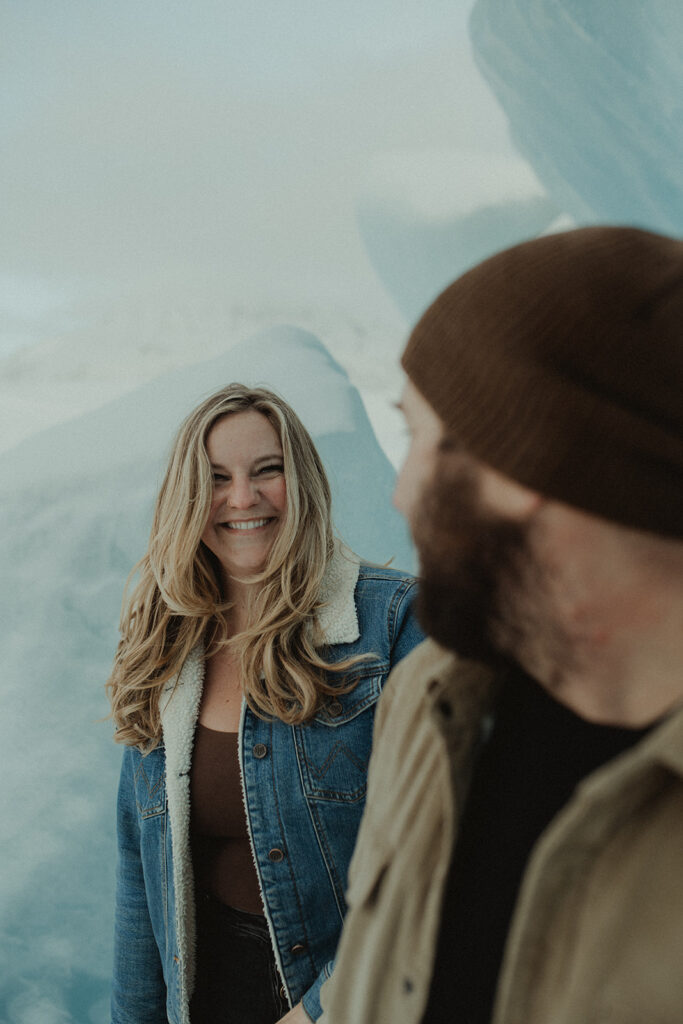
237	981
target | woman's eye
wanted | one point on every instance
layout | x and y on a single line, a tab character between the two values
219	478
275	468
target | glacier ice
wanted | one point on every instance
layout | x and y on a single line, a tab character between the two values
426	217
594	96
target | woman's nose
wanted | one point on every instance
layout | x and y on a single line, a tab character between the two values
243	492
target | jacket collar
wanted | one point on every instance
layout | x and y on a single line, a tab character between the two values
337	623
338	619
462	697
662	748
666	743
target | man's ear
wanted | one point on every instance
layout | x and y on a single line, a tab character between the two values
505	497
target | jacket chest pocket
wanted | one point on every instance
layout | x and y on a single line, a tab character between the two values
334	748
150	786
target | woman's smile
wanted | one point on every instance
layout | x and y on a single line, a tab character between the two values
243	525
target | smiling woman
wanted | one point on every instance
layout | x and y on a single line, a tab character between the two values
254	649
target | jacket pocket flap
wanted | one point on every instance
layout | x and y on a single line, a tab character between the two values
341	708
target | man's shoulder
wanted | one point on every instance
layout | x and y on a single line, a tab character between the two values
415	676
431	673
426	662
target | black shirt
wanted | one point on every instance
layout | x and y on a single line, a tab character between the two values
536	754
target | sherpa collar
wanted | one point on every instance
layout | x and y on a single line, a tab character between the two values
337	624
338	619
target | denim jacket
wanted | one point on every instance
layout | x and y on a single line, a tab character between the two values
304	792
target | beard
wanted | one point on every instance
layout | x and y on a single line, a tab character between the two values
472	565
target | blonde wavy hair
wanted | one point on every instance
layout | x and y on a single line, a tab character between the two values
178	600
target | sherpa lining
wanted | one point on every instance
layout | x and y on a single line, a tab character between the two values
178	721
338	618
337	623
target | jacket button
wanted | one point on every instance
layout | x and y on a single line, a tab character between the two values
297	949
276	854
445	707
260	750
335	708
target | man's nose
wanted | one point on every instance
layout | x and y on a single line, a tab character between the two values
243	492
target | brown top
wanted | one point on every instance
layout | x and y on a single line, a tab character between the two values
221	852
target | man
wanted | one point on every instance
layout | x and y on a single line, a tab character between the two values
521	856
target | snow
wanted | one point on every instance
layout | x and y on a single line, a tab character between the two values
76	504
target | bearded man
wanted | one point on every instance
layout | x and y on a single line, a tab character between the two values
521	856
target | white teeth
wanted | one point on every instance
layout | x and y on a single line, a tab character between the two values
251	524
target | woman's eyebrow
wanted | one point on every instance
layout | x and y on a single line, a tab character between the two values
262	458
268	458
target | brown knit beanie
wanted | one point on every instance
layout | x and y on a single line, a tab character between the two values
559	362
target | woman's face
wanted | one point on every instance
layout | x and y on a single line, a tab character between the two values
249	492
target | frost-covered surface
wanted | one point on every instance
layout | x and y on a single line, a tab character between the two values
593	90
75	507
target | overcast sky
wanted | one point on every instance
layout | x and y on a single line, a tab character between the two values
166	141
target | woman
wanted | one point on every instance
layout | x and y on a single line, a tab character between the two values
254	649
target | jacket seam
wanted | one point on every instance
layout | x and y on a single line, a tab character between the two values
397	601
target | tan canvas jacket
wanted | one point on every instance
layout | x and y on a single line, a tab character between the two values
597	933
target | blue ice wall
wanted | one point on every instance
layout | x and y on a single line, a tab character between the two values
593	90
593	94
